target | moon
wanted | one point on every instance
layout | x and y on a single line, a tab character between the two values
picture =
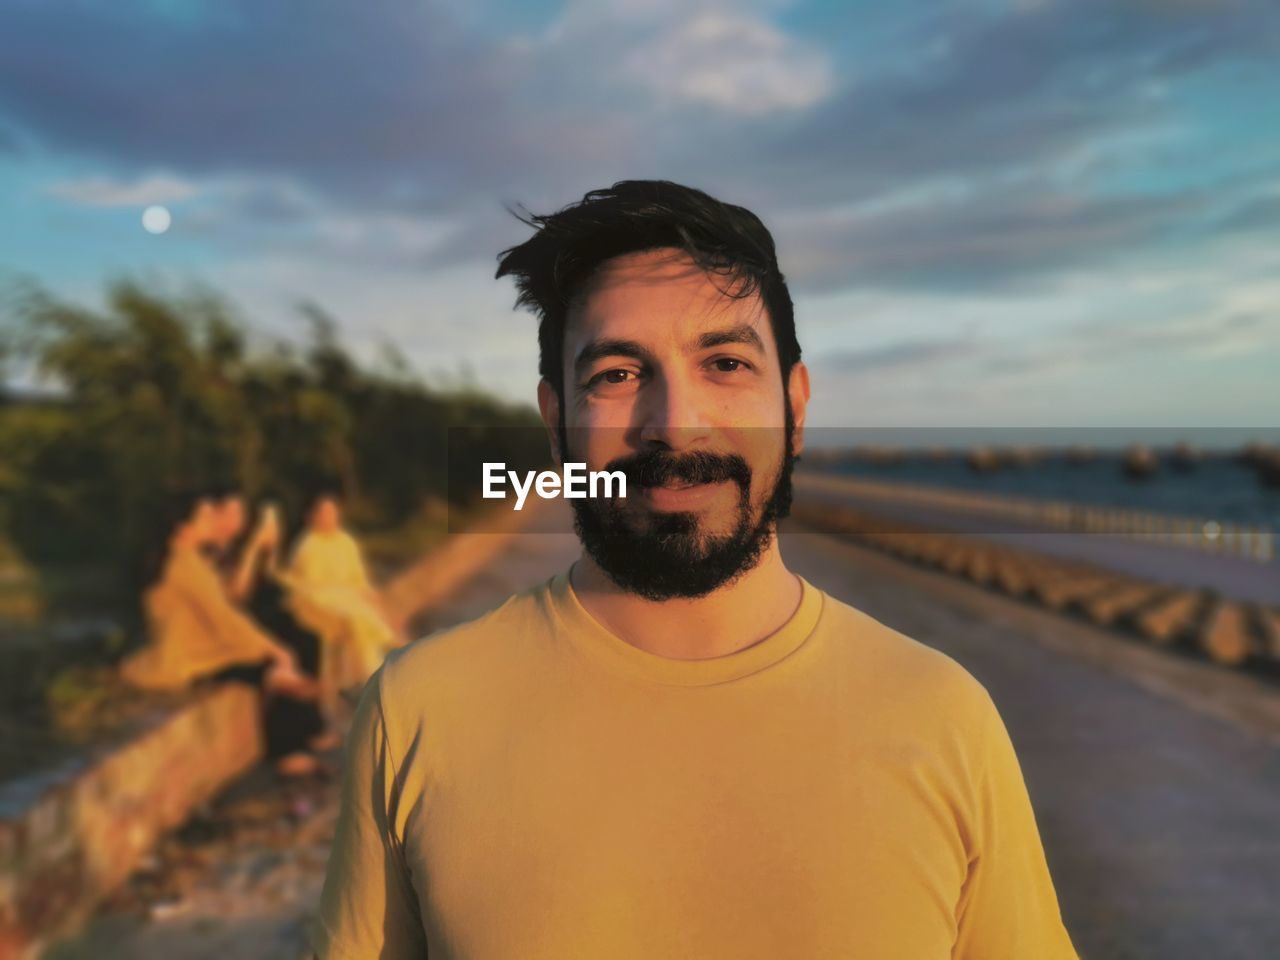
156	219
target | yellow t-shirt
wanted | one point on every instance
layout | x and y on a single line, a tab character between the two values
529	785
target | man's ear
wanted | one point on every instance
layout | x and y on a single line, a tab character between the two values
549	407
798	397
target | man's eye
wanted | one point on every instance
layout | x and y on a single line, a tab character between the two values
727	364
611	376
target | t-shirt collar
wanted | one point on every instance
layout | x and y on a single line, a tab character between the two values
598	642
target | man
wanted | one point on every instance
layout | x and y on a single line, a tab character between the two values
678	748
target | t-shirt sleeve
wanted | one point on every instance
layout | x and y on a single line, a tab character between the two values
368	908
1008	909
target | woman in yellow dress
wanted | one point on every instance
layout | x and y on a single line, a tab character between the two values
194	631
332	594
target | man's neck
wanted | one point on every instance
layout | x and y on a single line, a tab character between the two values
725	621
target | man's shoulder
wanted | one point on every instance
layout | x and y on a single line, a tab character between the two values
908	669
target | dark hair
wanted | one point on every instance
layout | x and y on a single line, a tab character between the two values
221	492
551	267
178	505
317	490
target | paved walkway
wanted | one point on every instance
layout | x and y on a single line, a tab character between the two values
1156	802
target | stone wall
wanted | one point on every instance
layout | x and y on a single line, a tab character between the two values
70	835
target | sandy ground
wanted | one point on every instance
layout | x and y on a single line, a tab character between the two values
1155	779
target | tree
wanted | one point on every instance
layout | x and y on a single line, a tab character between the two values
158	392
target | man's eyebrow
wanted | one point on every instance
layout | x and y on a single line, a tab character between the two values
609	347
742	333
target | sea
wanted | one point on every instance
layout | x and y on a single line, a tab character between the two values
1219	487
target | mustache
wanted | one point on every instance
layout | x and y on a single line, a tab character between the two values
653	468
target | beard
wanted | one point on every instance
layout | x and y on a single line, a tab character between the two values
664	555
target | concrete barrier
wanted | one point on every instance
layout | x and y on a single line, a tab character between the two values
68	837
1269	624
1172	618
1114	605
1226	637
71	835
1227	632
1251	542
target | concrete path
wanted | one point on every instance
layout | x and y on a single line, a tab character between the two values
1157	798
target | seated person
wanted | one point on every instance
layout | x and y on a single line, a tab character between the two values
196	633
251	571
332	594
193	629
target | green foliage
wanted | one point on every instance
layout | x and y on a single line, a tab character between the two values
162	392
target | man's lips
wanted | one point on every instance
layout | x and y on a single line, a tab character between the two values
682	495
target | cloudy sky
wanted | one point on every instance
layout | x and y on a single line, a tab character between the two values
994	212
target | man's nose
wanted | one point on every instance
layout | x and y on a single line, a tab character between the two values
674	414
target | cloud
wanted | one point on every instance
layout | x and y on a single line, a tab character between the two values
1180	344
734	62
969	94
10	142
396	105
1001	235
1119	368
352	101
280	219
1258	212
450	317
261	201
971	151
104	191
1109	342
906	353
1217	333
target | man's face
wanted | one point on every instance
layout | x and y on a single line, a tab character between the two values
679	386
